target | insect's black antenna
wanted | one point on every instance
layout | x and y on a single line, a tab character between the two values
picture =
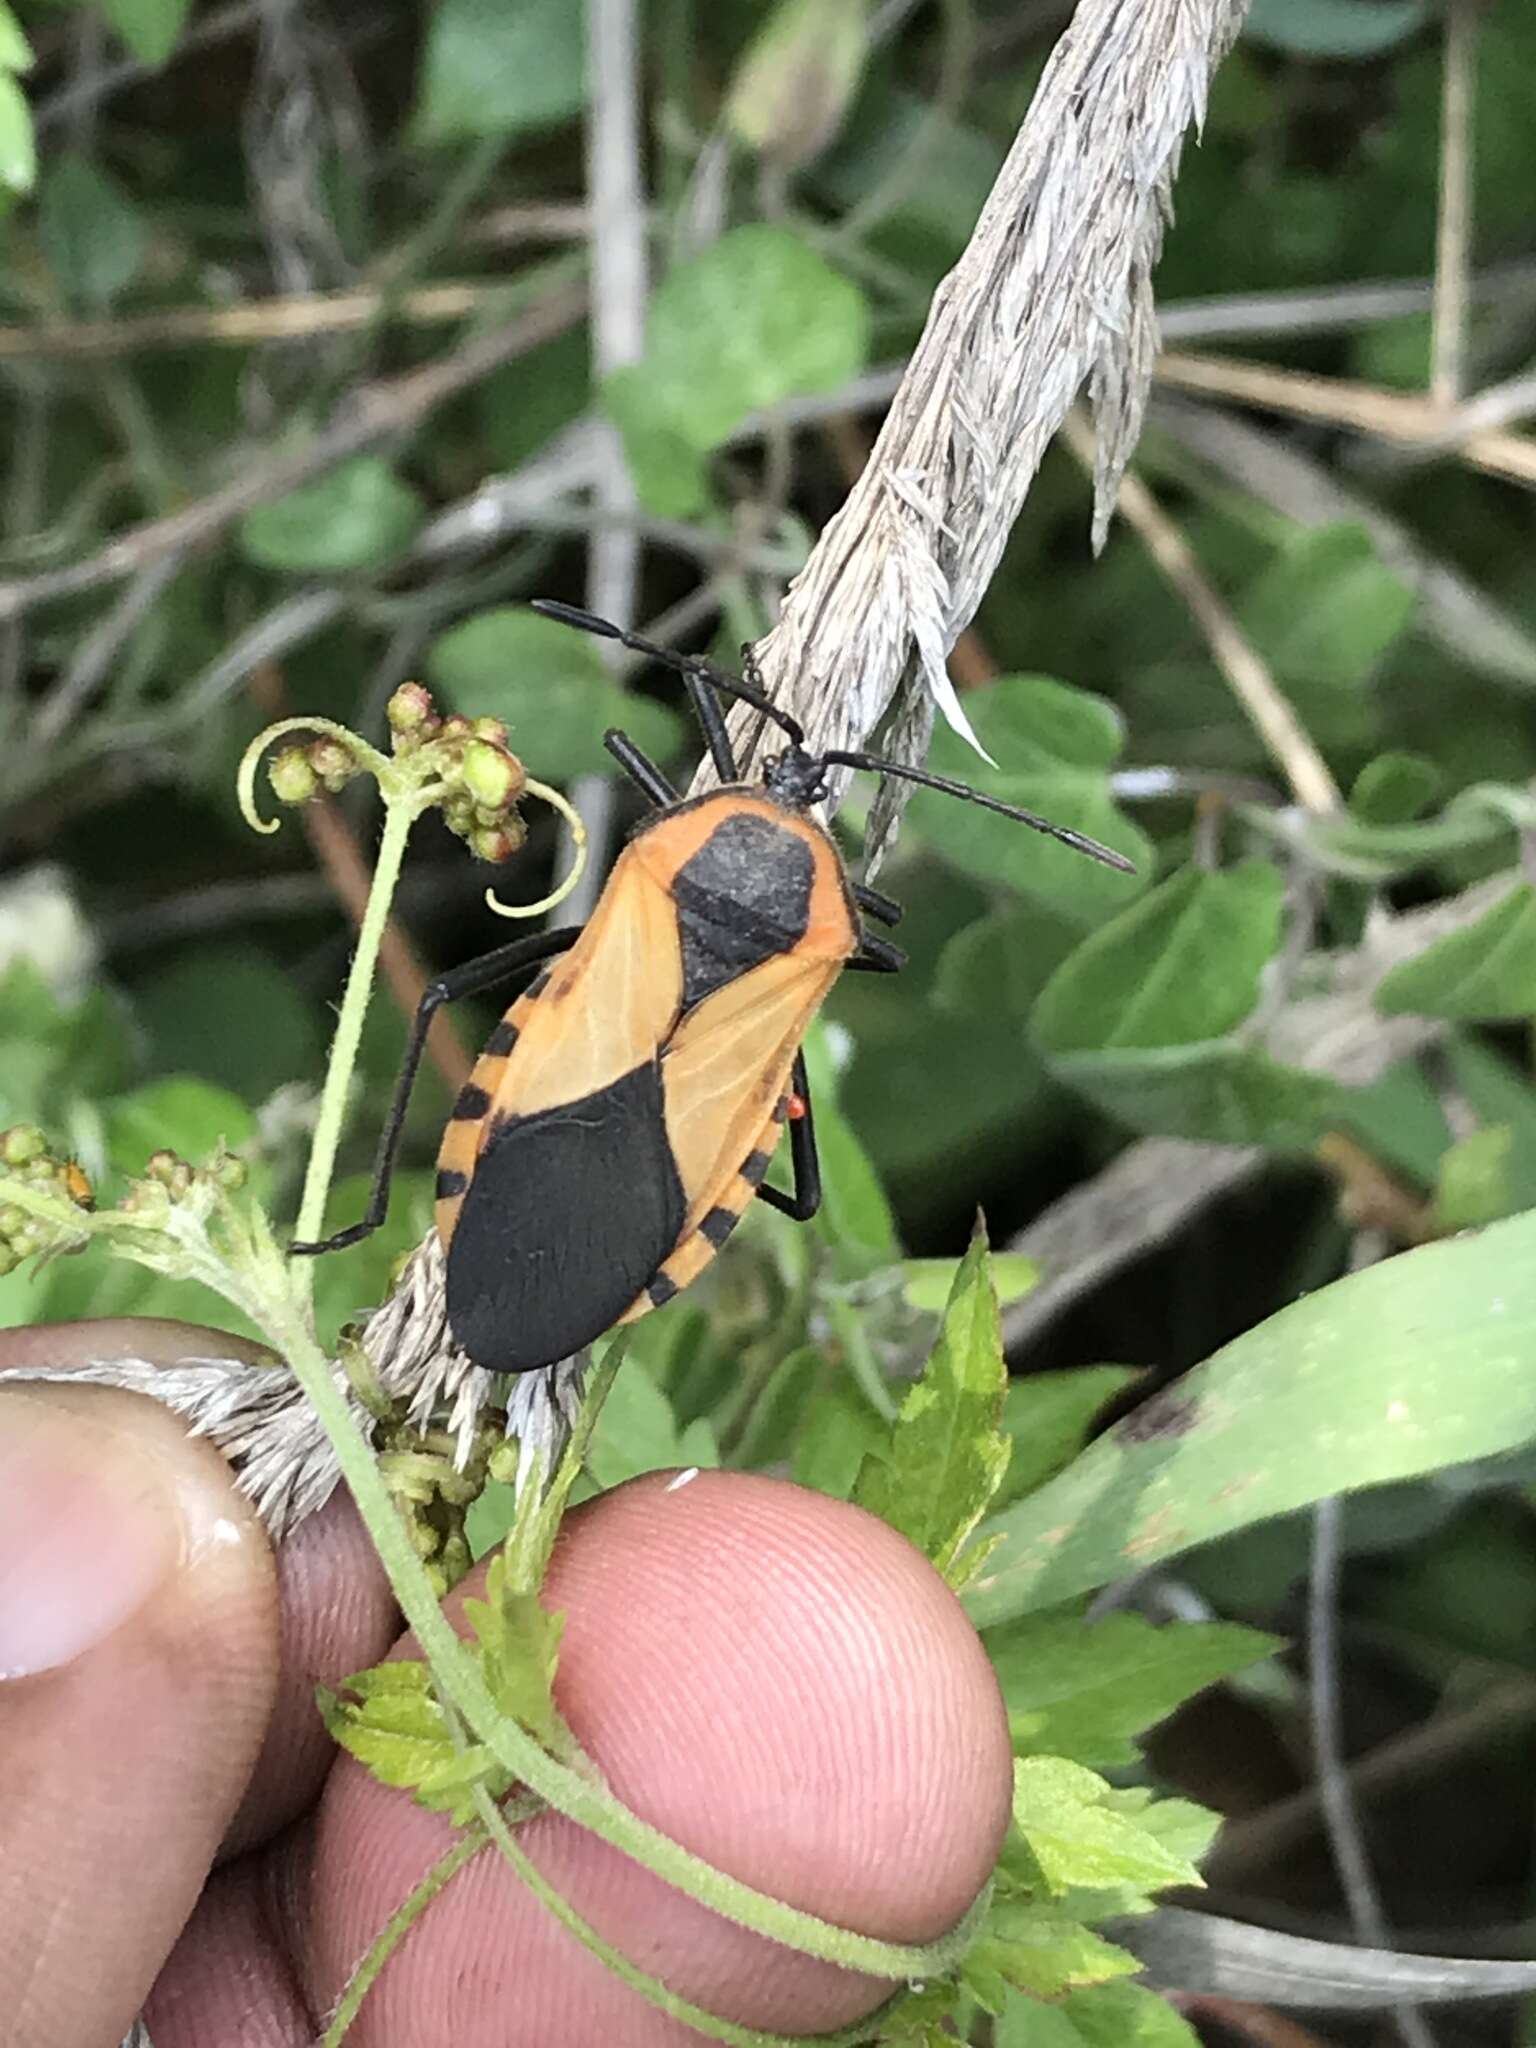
684	664
1079	841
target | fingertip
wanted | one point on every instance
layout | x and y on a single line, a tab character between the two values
777	1681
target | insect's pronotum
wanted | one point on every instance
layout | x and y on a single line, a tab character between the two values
625	1109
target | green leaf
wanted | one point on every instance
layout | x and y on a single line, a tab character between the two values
1335	28
179	1114
1180	967
1394	789
1327	609
1037	1950
500	67
90	230
231	1014
1417	1363
1485	972
551	686
18	146
928	1282
1500	1094
355	516
150	28
1078	1837
839	1431
637	1432
1085	1690
1138	1018
1100	2016
1054	748
349	1282
757	317
1473	1184
856	1216
798	75
15	50
519	1650
390	1719
1047	1417
946	1455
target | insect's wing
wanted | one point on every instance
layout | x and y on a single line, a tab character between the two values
571	1200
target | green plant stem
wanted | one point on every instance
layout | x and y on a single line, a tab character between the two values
396	1927
579	1797
640	1981
400	813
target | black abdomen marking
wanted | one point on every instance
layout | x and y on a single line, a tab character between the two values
567	1219
743	898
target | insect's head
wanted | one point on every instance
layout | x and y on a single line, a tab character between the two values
797	778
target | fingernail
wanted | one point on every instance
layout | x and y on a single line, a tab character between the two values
89	1528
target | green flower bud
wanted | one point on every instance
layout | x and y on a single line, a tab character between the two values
21	1144
292	778
492	729
412	713
497	842
795	82
334	763
492	776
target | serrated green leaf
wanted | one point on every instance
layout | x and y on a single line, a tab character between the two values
1077	1838
1046	1417
390	1719
1335	28
519	1650
1327	609
1178	968
90	230
500	67
1025	2022
1422	1361
1486	971
181	1115
1039	1951
1054	747
1394	788
928	1281
1086	1690
1126	2016
756	318
18	146
150	28
840	1430
946	1455
355	516
1222	1093
552	688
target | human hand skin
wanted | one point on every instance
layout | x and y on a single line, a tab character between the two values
775	1679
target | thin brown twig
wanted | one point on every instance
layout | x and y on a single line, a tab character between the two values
1400	416
392	406
341	858
1261	697
1453	226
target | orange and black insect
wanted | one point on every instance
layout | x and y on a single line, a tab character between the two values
625	1109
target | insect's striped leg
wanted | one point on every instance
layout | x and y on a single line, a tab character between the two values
472	979
877	903
877	956
806	1199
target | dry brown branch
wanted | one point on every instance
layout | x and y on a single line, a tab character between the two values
1248	674
1053	292
392	406
1404	417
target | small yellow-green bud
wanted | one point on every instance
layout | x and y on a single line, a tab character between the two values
12	1219
292	778
456	726
492	729
21	1144
497	842
411	712
334	763
492	776
229	1172
504	1462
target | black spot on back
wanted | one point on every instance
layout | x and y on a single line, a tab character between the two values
757	1164
567	1219
503	1038
718	1225
450	1183
472	1104
744	897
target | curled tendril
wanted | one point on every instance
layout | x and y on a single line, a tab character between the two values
557	895
245	780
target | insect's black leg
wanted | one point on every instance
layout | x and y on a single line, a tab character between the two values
639	767
706	708
473	978
879	905
877	956
806	1199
